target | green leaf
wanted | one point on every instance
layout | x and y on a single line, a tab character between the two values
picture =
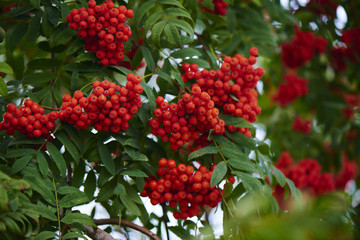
242	164
20	164
39	185
35	3
296	193
172	35
186	52
20	152
178	79
11	225
123	70
227	189
3	87
181	232
241	139
203	151
13	37
90	184
74	199
130	205
150	95
3	199
57	157
69	146
6	68
152	20
250	183
135	154
133	173
38	77
73	235
156	32
218	174
67	190
106	158
148	58
77	218
53	15
143	9
43	63
183	25
236	121
45	235
178	12
199	61
280	177
34	28
120	189
171	2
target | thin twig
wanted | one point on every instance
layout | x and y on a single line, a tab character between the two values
125	223
57	208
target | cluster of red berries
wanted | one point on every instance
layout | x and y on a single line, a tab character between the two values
348	172
323	7
302	48
109	107
186	120
353	104
29	119
349	50
306	176
103	29
232	86
183	187
293	88
219	7
302	125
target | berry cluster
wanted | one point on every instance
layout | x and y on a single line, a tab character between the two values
353	104
301	49
306	176
302	125
293	88
186	120
350	50
348	172
103	29
182	187
323	7
29	119
109	107
219	7
232	86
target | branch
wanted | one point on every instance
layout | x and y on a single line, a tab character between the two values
127	224
98	234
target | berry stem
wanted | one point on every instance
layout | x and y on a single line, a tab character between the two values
148	75
55	109
222	156
213	52
86	86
